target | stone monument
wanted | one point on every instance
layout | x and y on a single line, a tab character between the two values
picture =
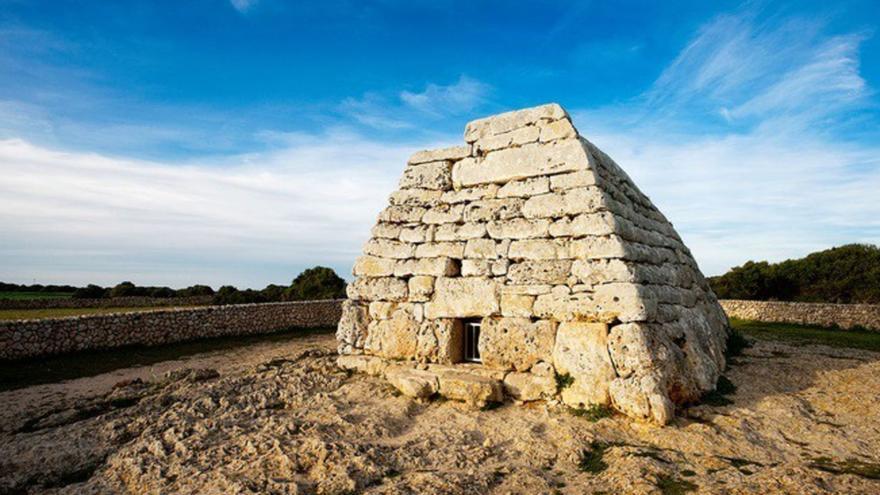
527	264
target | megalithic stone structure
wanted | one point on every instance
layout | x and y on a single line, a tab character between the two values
528	264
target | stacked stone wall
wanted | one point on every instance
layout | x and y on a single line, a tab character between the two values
534	230
31	338
111	302
827	315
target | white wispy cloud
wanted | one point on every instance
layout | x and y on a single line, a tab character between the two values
243	5
777	181
310	201
407	109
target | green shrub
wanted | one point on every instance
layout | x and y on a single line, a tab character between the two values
319	282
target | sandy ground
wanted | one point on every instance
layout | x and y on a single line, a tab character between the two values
280	418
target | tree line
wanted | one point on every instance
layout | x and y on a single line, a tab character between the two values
845	274
314	283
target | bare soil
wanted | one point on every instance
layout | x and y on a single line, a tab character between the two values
281	418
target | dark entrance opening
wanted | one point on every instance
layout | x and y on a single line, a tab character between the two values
471	341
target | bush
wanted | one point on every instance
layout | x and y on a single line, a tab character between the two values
845	274
195	290
162	292
91	291
316	283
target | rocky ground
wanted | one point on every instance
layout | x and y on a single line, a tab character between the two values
283	419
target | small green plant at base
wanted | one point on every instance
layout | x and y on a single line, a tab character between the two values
563	381
591	458
593	413
670	485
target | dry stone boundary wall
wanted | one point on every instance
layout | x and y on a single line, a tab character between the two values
32	338
113	302
826	315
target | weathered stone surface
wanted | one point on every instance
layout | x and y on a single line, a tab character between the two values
529	386
386	248
373	266
433	175
515	137
422	233
518	228
443	214
470	388
485	191
602	223
506	122
476	268
440	341
582	178
412	382
538	249
440	249
558	129
438	267
395	338
480	249
518	305
453	153
386	230
525	188
539	272
377	289
566	203
493	209
402	214
415	197
459	232
531	160
352	328
581	351
370	365
463	297
420	288
515	343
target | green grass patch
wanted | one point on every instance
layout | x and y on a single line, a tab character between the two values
36	371
35	314
593	413
670	485
563	381
18	296
591	458
808	334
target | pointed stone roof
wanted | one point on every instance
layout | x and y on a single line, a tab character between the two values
571	270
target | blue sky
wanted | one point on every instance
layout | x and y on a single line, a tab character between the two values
242	141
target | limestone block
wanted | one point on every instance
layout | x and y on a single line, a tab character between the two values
528	386
515	343
539	272
386	230
438	267
593	247
515	137
473	389
642	397
373	266
569	307
531	160
417	234
557	129
452	154
582	178
493	209
525	188
377	289
443	213
431	175
538	249
382	310
420	288
517	305
440	341
370	365
476	268
402	214
394	338
627	302
499	267
459	232
581	351
530	289
594	272
352	327
462	297
412	382
506	122
602	223
485	191
518	228
480	249
501	247
415	197
567	203
543	369
387	248
440	249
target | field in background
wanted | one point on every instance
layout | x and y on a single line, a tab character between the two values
807	334
30	314
34	295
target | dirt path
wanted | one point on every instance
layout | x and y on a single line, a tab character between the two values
281	418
